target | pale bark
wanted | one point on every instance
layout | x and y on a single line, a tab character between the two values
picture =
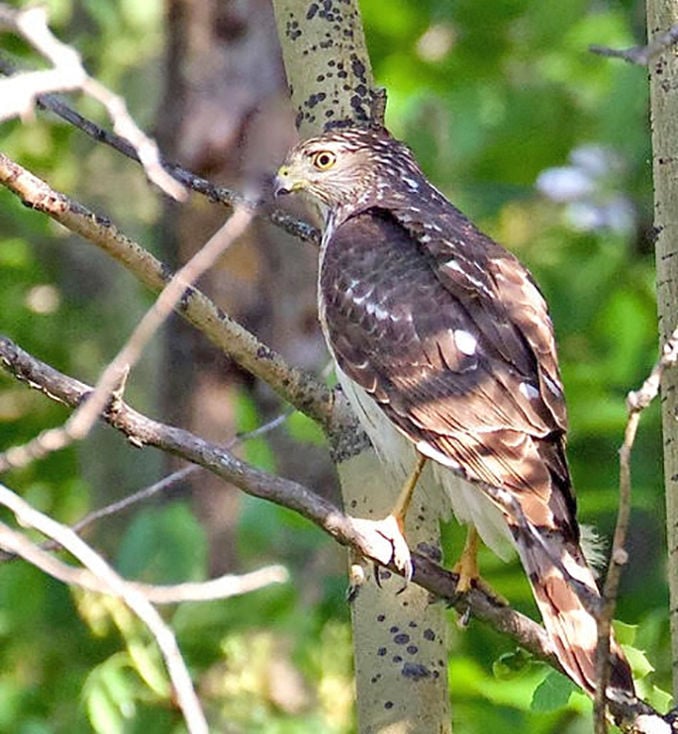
328	69
400	639
661	14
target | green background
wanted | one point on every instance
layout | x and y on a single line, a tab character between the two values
489	95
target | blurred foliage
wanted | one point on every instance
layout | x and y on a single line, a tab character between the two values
492	97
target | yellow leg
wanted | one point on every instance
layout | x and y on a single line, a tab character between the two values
467	566
402	504
401	552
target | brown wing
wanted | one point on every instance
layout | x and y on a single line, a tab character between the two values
451	337
432	336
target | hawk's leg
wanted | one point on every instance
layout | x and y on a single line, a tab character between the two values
467	565
394	522
468	571
402	505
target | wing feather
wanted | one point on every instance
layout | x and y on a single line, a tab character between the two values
451	365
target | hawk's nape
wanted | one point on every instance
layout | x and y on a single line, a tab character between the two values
444	345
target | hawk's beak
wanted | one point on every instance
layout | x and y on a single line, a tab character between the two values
284	183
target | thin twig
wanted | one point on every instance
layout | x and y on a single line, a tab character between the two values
18	93
170	481
135	600
641	55
222	587
82	420
636	402
302	390
163	485
144	431
217	194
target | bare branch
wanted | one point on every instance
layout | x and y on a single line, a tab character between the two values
115	374
143	431
82	420
636	402
300	389
641	55
18	93
146	493
348	531
216	194
167	482
222	587
181	680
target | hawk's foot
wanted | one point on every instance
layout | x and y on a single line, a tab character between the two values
391	528
469	573
385	543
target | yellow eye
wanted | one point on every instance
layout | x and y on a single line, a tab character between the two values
324	159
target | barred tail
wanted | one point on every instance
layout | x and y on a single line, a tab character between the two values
552	563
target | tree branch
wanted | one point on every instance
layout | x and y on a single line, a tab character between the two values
298	388
110	385
181	680
223	587
641	55
17	94
216	194
143	431
636	402
163	485
348	531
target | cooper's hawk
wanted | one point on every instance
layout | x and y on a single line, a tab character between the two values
445	348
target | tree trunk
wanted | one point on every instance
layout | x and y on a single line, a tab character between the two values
226	116
661	14
399	639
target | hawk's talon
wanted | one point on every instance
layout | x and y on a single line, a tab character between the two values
464	619
356	578
377	575
352	593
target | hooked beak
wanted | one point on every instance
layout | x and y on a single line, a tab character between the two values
284	183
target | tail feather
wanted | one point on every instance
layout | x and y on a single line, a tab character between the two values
572	628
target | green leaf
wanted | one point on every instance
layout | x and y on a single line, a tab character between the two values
102	701
625	633
659	699
164	545
553	692
638	661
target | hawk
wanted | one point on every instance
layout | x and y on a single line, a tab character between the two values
445	348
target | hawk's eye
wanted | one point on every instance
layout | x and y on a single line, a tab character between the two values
324	159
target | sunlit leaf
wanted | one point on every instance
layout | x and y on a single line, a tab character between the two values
553	692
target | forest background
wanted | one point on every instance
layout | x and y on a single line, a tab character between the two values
543	144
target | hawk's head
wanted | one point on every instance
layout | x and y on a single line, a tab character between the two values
349	169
